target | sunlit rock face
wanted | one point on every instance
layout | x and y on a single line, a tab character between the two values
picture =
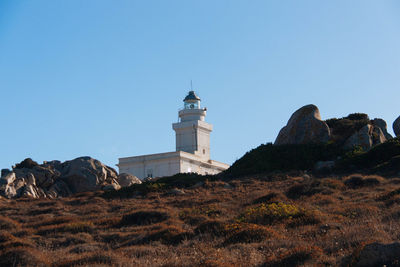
57	179
304	127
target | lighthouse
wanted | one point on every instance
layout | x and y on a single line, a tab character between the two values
192	152
192	132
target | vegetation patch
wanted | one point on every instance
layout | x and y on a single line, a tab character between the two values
271	158
248	233
22	256
213	227
295	257
357	181
271	213
144	218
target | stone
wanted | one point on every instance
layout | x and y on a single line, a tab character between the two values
362	138
86	174
396	127
366	137
10	191
59	189
377	254
8	178
176	191
304	127
228	186
126	179
378	137
324	165
383	126
111	187
55	179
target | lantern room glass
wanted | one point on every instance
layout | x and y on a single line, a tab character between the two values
192	104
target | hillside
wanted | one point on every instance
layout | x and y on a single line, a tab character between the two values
274	220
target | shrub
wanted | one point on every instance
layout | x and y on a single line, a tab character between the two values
271	213
248	233
269	198
271	158
215	228
305	189
21	256
7	223
342	129
357	181
295	257
144	218
169	235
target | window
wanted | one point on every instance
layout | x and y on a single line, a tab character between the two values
204	151
150	173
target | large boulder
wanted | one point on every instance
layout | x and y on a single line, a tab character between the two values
381	124
304	127
86	174
396	127
126	179
377	254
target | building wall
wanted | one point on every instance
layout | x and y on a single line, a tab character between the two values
154	168
193	166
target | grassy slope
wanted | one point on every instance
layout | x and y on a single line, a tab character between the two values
269	221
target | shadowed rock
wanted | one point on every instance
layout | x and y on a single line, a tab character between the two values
396	127
377	254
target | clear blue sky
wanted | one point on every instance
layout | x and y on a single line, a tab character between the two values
106	78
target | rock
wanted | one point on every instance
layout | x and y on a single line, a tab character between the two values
86	174
383	126
396	127
126	179
176	191
26	163
111	187
377	254
8	178
378	137
228	186
324	165
8	191
55	179
58	189
361	138
366	137
304	127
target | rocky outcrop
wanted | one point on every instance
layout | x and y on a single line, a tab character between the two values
380	123
304	127
367	137
396	127
125	180
55	179
377	254
86	174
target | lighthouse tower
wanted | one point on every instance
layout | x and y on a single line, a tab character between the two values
192	132
192	148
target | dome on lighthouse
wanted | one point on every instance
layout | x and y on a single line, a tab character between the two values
191	97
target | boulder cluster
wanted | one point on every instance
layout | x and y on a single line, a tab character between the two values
60	179
305	126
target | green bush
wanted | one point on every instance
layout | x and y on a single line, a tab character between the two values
271	158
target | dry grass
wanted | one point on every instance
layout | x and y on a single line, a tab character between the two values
288	221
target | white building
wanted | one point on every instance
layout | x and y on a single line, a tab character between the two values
192	148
